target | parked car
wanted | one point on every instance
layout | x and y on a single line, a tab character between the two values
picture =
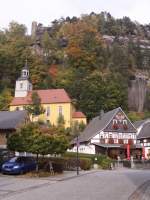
4	156
18	165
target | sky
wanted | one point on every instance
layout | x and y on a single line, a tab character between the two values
45	11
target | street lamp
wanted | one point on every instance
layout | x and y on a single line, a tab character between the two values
76	133
77	156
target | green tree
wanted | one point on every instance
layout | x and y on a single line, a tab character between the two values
5	99
32	138
60	120
35	108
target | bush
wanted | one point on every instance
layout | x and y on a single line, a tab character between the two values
57	164
85	163
104	162
69	162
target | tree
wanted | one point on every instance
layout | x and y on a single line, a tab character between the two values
5	99
32	138
35	108
60	120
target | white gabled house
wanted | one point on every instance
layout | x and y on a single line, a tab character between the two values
109	134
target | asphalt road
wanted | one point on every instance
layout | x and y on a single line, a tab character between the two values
102	185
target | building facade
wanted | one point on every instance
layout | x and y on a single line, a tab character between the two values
111	133
143	136
9	123
55	102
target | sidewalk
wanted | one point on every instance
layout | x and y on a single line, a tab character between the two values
69	175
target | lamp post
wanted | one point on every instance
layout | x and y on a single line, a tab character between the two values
77	156
76	133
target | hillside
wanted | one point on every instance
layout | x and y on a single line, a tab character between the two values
102	62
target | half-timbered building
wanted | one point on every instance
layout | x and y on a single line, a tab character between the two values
143	136
111	133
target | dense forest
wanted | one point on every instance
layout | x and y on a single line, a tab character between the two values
93	58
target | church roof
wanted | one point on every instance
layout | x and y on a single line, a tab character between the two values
11	119
26	66
46	96
78	114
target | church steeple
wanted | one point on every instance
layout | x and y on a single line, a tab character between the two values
25	71
23	85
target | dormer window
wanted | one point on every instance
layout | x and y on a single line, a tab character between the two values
125	127
124	122
115	121
115	124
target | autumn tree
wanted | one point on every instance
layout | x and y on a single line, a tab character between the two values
33	139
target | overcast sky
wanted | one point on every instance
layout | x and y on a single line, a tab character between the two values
45	11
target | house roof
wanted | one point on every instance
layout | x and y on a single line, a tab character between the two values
11	120
96	124
46	96
145	131
100	123
137	124
78	114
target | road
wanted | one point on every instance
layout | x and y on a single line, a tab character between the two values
102	185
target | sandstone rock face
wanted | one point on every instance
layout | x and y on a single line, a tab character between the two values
137	93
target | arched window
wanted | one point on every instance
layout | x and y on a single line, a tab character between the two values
115	121
60	110
24	73
21	85
124	122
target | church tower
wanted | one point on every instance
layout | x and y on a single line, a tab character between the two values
23	85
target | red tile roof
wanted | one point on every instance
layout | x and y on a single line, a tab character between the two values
47	96
78	115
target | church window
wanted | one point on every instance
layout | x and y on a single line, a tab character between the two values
60	110
48	111
24	73
21	85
